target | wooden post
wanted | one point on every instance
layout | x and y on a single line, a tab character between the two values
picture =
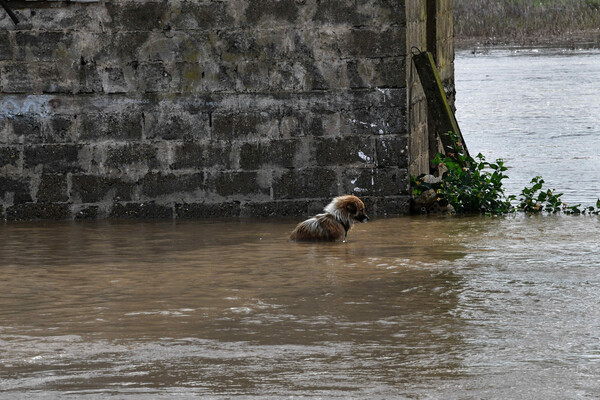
437	102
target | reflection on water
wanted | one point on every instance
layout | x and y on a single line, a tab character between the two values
410	307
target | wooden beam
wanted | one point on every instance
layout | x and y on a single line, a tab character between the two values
10	12
437	102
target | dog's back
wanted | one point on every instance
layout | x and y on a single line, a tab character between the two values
321	227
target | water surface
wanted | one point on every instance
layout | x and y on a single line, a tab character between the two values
409	307
538	109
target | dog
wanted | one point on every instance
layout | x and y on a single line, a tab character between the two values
334	224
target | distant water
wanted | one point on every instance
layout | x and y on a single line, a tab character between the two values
539	110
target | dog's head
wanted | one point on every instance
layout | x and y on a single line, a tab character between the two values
353	207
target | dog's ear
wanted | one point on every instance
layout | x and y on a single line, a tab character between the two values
352	208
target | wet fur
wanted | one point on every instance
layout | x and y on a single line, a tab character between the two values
334	223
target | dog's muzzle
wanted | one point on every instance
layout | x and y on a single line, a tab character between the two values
362	218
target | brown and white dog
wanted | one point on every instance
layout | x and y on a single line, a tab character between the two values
335	223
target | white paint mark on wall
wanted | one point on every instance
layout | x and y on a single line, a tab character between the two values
364	157
369	124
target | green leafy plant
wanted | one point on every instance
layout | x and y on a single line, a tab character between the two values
469	185
473	185
534	199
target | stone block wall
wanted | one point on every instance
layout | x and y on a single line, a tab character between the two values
192	109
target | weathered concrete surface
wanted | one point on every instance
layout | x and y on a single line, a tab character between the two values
191	109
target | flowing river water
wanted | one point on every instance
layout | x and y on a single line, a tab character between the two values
410	307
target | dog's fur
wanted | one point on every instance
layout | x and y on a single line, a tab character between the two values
335	223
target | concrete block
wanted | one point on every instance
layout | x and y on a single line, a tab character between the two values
26	127
202	155
42	45
253	77
391	205
376	181
37	211
376	121
237	183
49	78
368	73
392	151
279	153
159	184
174	124
113	80
275	209
306	184
39	16
344	151
136	16
52	189
17	77
189	155
237	46
145	210
6	49
269	12
122	126
342	12
125	47
192	15
245	126
10	157
207	210
374	43
300	123
96	189
155	77
87	212
88	77
123	156
58	128
52	158
15	190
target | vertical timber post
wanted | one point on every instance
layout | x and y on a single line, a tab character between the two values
437	102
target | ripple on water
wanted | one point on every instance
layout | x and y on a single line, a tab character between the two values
418	306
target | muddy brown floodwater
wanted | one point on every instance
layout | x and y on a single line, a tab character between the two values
409	307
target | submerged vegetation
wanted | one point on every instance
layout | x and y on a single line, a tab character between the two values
527	21
473	185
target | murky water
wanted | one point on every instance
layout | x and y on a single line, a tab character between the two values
412	307
539	110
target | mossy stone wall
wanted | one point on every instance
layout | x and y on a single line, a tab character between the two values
191	109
